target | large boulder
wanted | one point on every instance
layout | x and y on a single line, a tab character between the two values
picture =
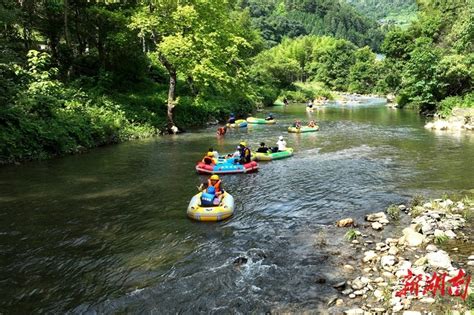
439	259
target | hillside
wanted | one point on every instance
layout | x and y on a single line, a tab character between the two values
387	12
290	18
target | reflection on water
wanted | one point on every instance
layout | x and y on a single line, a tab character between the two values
107	231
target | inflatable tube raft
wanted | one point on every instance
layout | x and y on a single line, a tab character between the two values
303	129
221	212
273	156
227	167
239	123
253	120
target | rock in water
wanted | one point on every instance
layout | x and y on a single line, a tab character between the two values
377	226
375	217
345	222
240	261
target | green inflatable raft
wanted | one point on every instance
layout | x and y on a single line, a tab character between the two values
273	156
261	121
303	129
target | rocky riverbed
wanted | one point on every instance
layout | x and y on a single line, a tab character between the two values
433	252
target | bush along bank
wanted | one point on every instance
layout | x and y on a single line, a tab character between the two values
41	117
425	267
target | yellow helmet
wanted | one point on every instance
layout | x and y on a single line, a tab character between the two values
215	177
210	154
243	143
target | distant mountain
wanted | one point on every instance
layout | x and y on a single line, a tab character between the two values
400	12
291	18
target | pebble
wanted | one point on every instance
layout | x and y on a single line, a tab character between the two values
348	268
339	302
346	291
431	248
378	294
377	226
354	311
470	257
393	250
388	260
427	300
369	256
470	263
339	285
352	296
411	313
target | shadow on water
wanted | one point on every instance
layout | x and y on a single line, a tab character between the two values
107	231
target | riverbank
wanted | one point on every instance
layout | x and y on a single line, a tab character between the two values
459	119
430	247
75	121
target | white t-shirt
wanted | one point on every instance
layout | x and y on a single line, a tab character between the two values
281	145
216	154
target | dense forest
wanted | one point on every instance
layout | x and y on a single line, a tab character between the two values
78	74
387	12
291	18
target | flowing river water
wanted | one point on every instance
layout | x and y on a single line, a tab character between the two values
107	232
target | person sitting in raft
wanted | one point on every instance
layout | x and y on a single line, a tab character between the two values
215	182
215	154
245	154
281	143
312	124
297	124
209	159
236	154
221	131
269	117
209	198
231	119
263	148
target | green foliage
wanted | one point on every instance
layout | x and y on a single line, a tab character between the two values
393	212
387	11
432	60
448	104
288	18
440	239
417	200
49	119
351	234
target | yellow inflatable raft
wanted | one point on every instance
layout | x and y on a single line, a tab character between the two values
217	213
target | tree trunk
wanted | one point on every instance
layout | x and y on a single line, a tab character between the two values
66	24
171	99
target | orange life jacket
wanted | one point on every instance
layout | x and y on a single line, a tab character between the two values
208	160
217	185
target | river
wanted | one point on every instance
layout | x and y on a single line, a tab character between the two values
107	232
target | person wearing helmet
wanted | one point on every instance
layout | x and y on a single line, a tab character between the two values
281	143
245	154
209	159
215	154
215	182
269	117
231	119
